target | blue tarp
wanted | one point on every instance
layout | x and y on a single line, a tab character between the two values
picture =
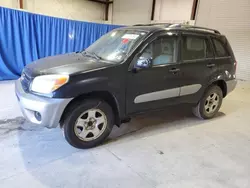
25	37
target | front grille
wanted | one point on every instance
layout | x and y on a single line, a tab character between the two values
25	81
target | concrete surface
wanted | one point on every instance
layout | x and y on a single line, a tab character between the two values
161	150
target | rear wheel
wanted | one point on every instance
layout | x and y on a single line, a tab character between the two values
89	124
210	103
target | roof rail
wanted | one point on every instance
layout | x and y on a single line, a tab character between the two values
179	25
193	27
203	28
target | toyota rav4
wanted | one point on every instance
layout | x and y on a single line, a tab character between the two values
128	71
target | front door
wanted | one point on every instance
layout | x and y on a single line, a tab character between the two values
157	86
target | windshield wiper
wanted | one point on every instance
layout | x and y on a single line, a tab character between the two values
92	54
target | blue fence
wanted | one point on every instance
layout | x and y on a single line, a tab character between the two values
25	37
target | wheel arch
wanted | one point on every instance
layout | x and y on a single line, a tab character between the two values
103	95
222	84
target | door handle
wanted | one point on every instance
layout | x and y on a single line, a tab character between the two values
174	70
210	65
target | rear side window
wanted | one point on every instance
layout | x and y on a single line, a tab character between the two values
220	49
194	48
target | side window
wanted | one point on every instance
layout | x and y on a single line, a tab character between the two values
220	49
195	48
161	51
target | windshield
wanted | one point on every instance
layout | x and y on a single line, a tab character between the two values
115	45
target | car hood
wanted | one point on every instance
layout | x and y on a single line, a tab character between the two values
65	64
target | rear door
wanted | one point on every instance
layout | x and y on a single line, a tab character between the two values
197	66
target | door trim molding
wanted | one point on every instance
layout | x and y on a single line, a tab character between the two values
168	93
158	95
189	89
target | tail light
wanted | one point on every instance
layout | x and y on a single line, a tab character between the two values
235	64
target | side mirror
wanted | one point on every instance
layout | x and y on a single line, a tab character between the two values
143	63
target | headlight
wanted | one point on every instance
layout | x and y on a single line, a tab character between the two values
48	83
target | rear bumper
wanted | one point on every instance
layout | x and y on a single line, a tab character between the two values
231	84
50	109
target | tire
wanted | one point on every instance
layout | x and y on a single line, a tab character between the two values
86	117
206	109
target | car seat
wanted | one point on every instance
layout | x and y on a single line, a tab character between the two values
166	55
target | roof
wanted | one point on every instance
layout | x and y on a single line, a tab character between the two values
164	26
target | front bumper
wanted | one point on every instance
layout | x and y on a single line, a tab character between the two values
50	109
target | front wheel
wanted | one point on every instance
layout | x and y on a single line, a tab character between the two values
210	103
89	124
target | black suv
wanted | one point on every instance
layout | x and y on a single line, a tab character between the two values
128	71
